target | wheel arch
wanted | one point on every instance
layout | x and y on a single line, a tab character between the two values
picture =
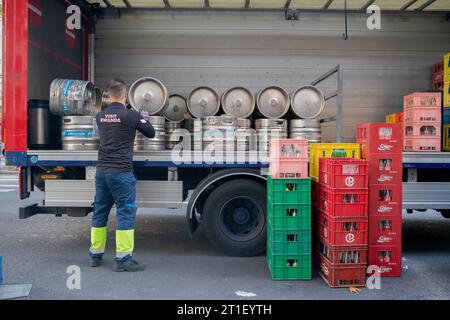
208	184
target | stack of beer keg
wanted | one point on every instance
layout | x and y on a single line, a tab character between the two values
237	120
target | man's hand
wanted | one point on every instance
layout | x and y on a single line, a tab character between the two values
144	114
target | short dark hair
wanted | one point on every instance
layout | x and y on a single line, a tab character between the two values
116	88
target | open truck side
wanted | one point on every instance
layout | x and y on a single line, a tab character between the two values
36	51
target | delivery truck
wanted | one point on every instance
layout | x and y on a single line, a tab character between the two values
187	47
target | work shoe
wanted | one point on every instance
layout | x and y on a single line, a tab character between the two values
130	265
95	262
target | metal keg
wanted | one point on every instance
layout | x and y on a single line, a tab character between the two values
177	110
238	102
203	102
268	129
172	134
245	136
309	129
79	133
74	98
219	133
307	102
272	102
44	128
148	94
142	143
195	128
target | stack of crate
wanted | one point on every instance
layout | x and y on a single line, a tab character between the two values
342	221
289	211
446	104
328	150
438	76
381	145
394	117
422	121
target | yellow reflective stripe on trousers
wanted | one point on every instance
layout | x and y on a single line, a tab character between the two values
98	239
124	242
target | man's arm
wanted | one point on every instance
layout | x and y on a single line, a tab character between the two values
142	125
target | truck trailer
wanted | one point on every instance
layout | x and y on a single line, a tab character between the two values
190	46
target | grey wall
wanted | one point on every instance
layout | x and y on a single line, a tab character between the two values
186	50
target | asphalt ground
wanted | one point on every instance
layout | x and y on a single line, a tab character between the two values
39	251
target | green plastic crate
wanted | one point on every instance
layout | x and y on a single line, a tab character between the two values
289	241
288	216
289	267
283	191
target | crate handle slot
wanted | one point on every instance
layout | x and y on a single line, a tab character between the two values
291	237
292	263
291	212
290	187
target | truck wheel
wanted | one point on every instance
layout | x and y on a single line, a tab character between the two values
234	218
445	213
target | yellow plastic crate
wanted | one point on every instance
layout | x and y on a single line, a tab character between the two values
446	102
390	118
447	67
328	150
446	138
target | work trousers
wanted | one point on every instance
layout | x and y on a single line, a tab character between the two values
114	189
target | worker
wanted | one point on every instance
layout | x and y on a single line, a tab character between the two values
115	182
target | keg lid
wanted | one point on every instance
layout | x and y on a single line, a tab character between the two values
307	102
238	102
148	94
177	110
273	102
203	102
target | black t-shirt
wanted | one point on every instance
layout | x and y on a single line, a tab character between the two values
117	127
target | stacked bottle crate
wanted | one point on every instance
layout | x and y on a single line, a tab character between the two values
422	121
342	221
446	104
381	145
289	211
438	76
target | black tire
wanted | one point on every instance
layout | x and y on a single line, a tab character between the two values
445	213
234	218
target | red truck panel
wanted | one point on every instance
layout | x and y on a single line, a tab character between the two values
15	79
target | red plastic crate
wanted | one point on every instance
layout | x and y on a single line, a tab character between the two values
289	168
343	173
388	258
438	71
385	200
423	99
343	202
438	85
342	276
385	169
422	144
343	231
342	255
419	114
386	230
379	138
422	130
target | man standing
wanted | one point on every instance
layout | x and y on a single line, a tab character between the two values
115	182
